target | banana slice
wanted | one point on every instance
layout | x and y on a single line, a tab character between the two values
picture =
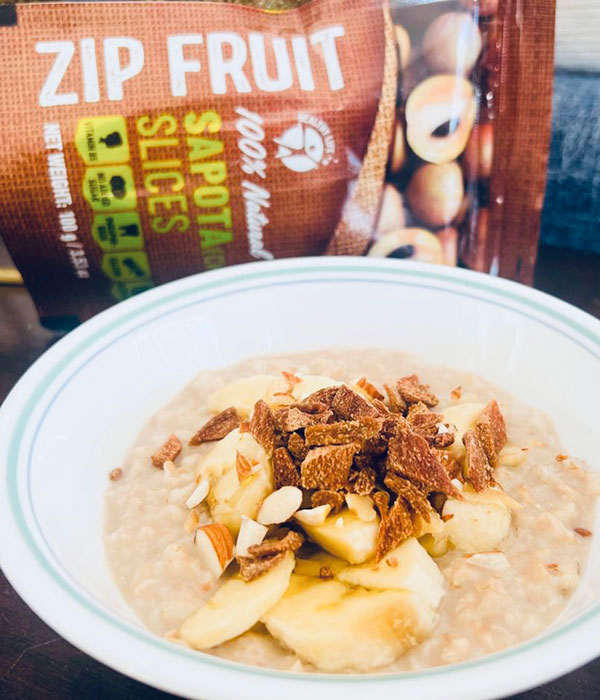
311	383
236	607
244	393
407	567
339	628
463	417
346	536
241	394
479	522
228	499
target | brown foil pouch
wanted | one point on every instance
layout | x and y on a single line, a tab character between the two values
143	142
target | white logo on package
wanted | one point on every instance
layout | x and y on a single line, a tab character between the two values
306	145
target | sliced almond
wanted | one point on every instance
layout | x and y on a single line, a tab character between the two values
169	466
280	505
198	494
250	533
458	485
245	467
362	506
215	546
313	516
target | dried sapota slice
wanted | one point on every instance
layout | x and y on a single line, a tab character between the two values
253	567
442	440
324	396
285	472
217	427
262	426
415	498
328	467
342	432
395	527
448	461
297	446
364	483
491	431
412	391
348	405
290	543
396	403
423	421
478	469
168	452
410	455
381	407
298	416
334	499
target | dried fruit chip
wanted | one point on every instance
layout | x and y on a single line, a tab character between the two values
442	440
456	393
348	405
423	421
262	426
217	427
116	474
583	532
491	431
168	451
285	472
328	498
290	543
252	567
397	404
328	467
296	417
410	455
371	389
412	391
324	396
341	433
297	447
381	407
415	498
381	499
364	482
449	462
325	572
478	470
394	528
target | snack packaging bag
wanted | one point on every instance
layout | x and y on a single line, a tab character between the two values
146	141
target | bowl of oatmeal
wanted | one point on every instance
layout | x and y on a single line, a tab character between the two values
327	476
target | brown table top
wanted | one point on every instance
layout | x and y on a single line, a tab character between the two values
36	663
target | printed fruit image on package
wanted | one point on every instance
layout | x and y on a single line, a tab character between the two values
148	141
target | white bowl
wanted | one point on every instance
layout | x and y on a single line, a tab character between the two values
73	415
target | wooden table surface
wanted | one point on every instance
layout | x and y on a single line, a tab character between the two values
35	663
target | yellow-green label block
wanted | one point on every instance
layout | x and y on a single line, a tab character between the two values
126	267
110	188
116	232
102	140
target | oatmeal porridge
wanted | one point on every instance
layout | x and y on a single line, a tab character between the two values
354	511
